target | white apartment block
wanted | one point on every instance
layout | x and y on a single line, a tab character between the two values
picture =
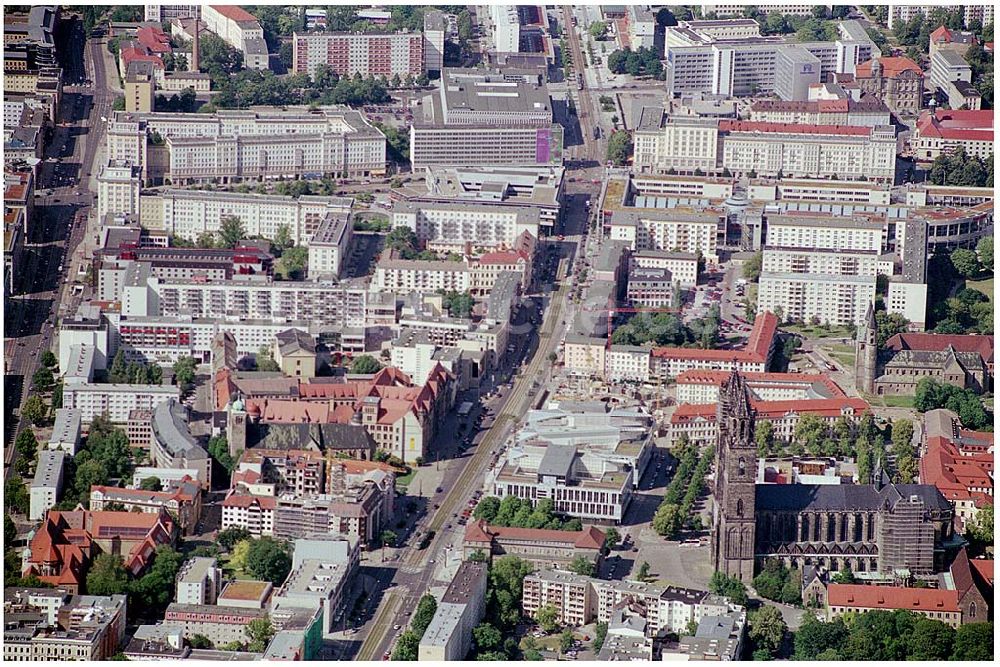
674	230
368	54
821	268
730	57
166	339
240	29
412	275
189	213
118	189
453	225
199	581
581	600
255	513
811	151
329	245
247	144
904	13
67	431
506	28
683	266
723	11
162	13
583	355
115	400
46	487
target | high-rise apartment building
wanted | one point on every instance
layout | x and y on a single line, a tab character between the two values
368	54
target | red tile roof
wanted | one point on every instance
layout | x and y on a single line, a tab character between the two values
822	407
960	125
984	568
794	128
717	378
891	67
889	597
234	13
154	39
247	500
479	531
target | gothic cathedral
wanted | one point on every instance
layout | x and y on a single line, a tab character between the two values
733	520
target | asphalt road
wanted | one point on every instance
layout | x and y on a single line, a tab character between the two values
60	218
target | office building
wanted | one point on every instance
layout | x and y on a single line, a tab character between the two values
730	57
486	117
869	111
53	626
219	624
795	70
329	244
682	266
543	548
374	54
435	32
321	576
679	229
140	86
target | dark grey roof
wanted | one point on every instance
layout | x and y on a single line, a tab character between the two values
799	497
308	436
557	461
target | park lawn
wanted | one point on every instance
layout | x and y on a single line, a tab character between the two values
984	286
404	480
894	401
811	331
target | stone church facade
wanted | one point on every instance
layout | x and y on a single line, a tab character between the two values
881	527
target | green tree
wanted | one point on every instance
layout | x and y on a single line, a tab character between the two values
406	647
643	573
583	566
845	576
764	437
547	617
48	359
612	538
974	641
231	231
229	537
985	251
34	410
981	528
566	640
668	520
423	615
294	262
200	642
89	473
487	637
269	560
620	147
730	587
260	631
241	554
814	637
107	576
931	640
752	267
156	587
598	29
600	634
365	365
218	59
767	629
265	360
487	509
184	370
16	498
506	579
965	261
151	484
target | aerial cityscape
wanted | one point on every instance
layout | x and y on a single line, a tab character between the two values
498	332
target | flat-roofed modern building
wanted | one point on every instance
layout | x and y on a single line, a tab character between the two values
173	446
456	223
462	607
67	431
46	487
680	229
486	117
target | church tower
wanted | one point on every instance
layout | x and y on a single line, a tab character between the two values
733	520
866	353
